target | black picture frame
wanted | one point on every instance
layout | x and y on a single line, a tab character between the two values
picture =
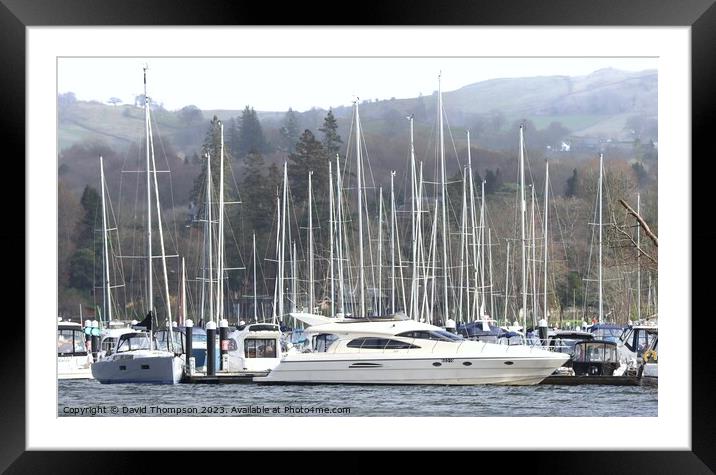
700	15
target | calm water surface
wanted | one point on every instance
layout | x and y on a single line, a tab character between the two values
88	397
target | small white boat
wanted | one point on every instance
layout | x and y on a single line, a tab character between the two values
136	360
73	359
403	351
255	347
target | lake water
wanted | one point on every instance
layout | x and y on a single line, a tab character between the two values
89	397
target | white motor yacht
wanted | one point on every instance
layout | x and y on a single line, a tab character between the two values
402	351
73	359
255	347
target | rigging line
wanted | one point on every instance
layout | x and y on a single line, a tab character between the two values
452	140
117	219
173	239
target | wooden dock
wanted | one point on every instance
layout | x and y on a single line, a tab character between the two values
246	377
593	379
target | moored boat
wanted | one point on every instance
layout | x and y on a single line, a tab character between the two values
73	359
403	351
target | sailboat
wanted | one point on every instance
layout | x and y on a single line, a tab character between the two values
137	358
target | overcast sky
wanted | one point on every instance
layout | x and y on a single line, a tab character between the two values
275	84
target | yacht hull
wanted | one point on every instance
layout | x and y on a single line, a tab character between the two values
69	367
650	374
438	371
139	369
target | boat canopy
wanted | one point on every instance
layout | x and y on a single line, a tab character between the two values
597	351
133	341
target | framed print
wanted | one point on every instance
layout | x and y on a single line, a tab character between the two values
438	232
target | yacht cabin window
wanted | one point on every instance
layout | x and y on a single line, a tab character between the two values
379	344
260	348
439	335
71	342
322	341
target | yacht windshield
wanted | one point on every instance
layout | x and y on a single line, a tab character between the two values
323	341
70	341
564	345
133	342
609	334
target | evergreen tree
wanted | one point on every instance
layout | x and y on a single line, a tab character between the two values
274	181
257	196
332	142
82	270
250	134
572	184
91	206
491	184
82	262
640	172
289	132
233	137
310	155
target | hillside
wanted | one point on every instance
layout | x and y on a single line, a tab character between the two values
606	103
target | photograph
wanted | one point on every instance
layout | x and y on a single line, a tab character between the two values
378	237
374	236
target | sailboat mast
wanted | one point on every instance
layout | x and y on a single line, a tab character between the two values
359	173
220	248
601	171
433	266
413	195
463	229
255	293
492	293
534	260
546	229
284	208
294	278
638	258
170	340
183	292
523	210
339	227
443	186
150	296
331	225
482	251
392	241
380	251
278	282
468	179
107	296
421	249
473	231
507	279
310	243
210	239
